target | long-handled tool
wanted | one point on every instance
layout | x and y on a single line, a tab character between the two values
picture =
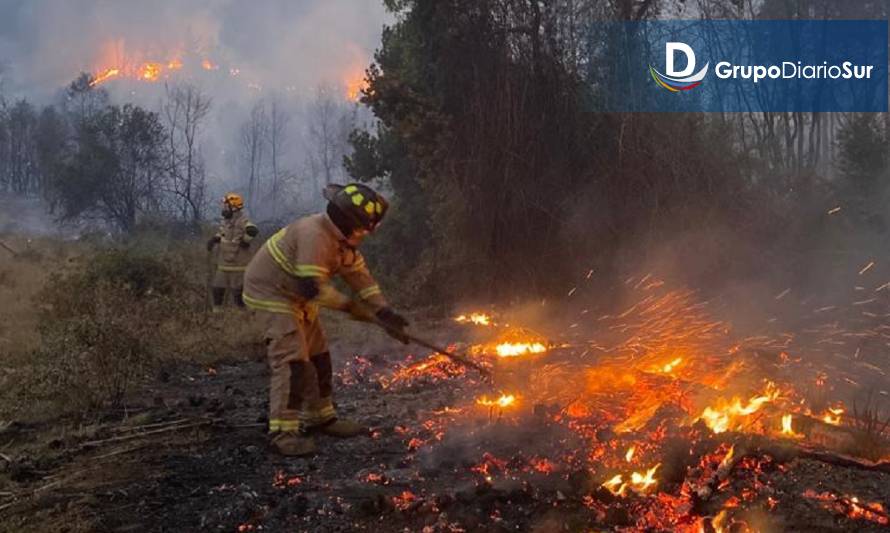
406	337
459	359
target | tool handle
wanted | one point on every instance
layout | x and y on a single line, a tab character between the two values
454	357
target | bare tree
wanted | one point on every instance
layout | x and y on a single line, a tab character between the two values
252	139
329	123
185	110
279	118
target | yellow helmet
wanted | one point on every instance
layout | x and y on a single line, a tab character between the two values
233	200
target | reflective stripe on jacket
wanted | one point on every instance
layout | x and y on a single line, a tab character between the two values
311	247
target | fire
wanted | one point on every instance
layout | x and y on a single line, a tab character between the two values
731	415
479	319
639	483
786	427
833	416
206	64
515	349
850	506
630	454
107	74
354	87
174	64
150	71
506	400
668	368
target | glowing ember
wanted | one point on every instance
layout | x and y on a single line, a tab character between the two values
515	349
404	500
480	319
506	400
833	416
732	415
630	454
850	506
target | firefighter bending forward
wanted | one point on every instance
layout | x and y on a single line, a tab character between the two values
285	283
233	237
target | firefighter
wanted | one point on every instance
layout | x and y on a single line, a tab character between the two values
286	282
234	236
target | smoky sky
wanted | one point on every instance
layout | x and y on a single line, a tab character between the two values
272	43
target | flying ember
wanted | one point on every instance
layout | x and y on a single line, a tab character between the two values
480	319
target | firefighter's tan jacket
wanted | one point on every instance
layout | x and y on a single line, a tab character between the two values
311	247
233	257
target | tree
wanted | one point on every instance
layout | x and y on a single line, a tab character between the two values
185	111
115	171
329	123
276	132
21	173
252	136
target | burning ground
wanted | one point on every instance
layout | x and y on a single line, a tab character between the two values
659	416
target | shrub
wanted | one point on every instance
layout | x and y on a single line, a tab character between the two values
101	327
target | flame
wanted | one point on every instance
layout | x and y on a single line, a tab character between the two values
630	453
639	483
107	74
668	368
613	484
515	349
726	416
786	427
174	64
833	416
206	64
480	319
150	71
506	400
355	84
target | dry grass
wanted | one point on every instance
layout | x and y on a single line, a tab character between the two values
21	279
92	320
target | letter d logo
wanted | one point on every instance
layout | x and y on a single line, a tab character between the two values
676	81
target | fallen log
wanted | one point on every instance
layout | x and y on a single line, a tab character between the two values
843	460
721	474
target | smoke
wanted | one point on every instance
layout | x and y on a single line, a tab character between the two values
275	44
299	54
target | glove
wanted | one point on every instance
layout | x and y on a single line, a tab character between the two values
244	244
394	324
213	240
390	318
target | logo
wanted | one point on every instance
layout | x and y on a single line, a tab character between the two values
684	80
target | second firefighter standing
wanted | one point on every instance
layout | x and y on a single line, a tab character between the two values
233	237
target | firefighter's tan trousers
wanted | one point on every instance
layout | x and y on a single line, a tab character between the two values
300	363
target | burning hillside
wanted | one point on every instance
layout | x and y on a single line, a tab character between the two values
116	61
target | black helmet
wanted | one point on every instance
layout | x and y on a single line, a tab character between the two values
355	206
